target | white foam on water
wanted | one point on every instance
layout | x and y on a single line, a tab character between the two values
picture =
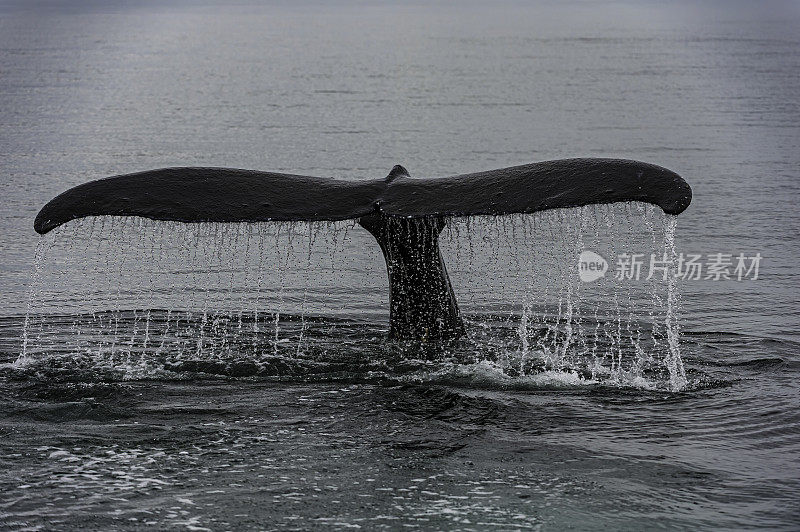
488	374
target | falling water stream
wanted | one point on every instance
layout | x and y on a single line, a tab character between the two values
308	300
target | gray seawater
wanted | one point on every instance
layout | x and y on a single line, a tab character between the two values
240	431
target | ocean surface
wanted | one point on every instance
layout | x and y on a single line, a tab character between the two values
237	377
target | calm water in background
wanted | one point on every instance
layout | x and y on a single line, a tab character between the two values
711	92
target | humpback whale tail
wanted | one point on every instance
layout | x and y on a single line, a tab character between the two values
404	214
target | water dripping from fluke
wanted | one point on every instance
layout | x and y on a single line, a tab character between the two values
229	273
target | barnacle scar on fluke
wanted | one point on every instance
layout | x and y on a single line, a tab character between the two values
404	214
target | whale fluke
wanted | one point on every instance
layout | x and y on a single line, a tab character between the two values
404	214
231	195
